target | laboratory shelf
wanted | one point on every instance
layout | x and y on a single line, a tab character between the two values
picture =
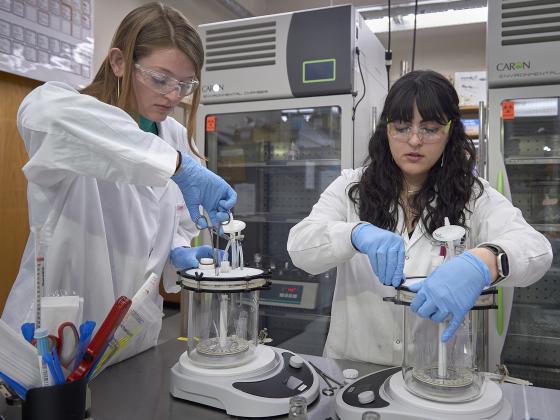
272	218
469	109
281	163
542	376
547	227
536	320
524	160
532	348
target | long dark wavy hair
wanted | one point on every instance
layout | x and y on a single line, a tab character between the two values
448	187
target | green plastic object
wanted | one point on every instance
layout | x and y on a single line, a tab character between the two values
196	241
500	317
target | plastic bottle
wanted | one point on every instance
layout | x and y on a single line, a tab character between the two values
298	408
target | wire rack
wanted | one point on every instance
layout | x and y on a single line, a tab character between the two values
545	377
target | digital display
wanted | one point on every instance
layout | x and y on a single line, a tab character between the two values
293	382
283	293
319	71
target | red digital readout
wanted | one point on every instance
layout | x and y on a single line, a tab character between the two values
292	289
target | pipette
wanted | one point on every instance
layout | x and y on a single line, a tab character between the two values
39	274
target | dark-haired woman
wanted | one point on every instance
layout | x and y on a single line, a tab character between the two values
375	225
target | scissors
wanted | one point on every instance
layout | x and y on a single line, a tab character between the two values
214	238
65	343
331	388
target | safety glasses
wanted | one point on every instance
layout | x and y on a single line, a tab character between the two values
164	84
427	133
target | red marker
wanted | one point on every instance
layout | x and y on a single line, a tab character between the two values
102	338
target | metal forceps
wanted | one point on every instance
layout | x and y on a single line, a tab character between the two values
329	392
214	239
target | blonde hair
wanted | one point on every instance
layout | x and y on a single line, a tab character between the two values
146	28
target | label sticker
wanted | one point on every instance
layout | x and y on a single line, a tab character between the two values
210	123
508	110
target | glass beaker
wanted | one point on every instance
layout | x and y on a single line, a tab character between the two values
440	371
447	372
298	408
432	369
223	316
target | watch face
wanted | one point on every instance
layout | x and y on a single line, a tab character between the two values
504	264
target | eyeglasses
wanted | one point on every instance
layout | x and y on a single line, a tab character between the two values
428	133
164	84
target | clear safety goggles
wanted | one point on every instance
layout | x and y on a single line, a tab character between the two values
426	133
164	84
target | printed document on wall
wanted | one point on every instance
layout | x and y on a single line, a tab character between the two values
47	39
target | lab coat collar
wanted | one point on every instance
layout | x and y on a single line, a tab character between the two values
164	133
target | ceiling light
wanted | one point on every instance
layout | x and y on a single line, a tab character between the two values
431	20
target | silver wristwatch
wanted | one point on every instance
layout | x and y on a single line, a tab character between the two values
501	260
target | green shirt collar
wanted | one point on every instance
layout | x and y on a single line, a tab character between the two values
148	126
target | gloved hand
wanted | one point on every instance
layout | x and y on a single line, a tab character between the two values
184	258
202	187
385	251
451	289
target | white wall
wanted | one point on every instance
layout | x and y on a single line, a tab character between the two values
445	50
268	7
109	13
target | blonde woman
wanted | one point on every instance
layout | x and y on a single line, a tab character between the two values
99	169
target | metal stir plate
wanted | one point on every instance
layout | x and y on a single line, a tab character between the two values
456	377
213	347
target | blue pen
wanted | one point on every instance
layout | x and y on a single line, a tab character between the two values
55	373
94	366
16	386
86	332
28	330
58	368
47	359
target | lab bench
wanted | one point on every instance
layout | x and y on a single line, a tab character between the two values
138	388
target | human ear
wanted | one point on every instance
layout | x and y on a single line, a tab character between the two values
116	60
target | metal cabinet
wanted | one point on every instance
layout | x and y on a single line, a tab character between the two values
528	160
280	156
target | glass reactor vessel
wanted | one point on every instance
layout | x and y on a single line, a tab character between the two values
223	330
444	372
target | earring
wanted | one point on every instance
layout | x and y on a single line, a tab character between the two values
118	87
442	156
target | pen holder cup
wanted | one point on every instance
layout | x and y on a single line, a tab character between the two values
58	402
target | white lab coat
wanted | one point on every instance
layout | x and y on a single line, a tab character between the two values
365	328
99	187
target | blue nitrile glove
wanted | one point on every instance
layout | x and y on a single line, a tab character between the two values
385	251
184	258
451	289
202	187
